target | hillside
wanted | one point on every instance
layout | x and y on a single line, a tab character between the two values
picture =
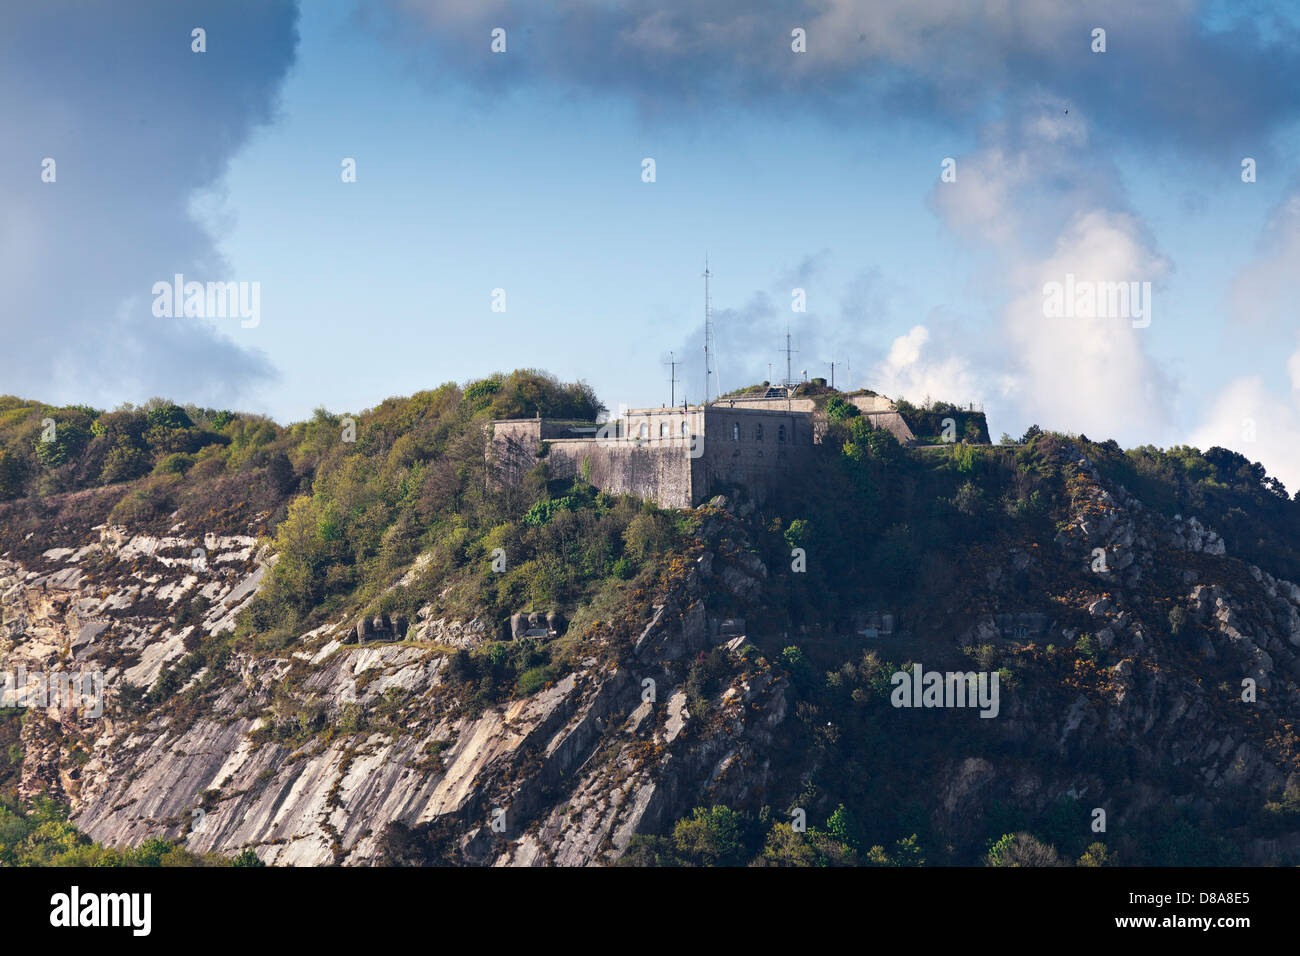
212	567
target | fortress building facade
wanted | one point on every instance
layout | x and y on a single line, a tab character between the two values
677	457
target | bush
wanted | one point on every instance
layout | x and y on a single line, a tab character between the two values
796	535
542	512
710	837
838	409
646	535
175	464
1021	849
69	439
124	463
168	416
1177	621
843	827
246	858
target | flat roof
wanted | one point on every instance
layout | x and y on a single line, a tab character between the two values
719	406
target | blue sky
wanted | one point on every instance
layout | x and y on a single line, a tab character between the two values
522	171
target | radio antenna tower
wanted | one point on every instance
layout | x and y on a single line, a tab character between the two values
672	380
789	380
708	329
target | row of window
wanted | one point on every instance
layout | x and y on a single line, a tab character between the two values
643	432
758	432
664	431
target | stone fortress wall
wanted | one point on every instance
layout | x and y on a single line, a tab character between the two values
673	456
877	409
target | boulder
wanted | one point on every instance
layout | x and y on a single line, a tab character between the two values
705	564
740	585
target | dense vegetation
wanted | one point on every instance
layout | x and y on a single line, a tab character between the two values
39	834
349	503
943	421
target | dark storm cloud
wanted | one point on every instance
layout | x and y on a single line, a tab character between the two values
136	123
1183	74
842	326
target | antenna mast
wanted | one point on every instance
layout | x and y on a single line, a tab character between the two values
708	328
789	379
672	380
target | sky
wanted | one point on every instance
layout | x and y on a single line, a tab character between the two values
923	172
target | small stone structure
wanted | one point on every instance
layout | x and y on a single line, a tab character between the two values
874	624
379	628
537	624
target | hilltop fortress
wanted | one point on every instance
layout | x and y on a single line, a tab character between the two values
678	456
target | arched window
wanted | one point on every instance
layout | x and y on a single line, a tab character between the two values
663	429
758	433
644	431
780	433
735	431
683	428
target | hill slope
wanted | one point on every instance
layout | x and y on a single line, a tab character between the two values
216	596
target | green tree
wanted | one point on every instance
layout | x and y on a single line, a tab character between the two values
843	827
710	837
838	409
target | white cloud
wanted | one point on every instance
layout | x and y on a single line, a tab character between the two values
1249	418
907	348
1090	374
913	372
1042	204
1247	415
1266	290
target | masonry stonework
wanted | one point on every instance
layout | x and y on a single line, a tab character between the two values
676	457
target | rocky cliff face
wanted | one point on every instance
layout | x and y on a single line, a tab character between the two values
1195	670
566	776
307	754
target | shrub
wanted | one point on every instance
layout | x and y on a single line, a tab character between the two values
646	535
710	837
838	409
168	416
542	512
1097	855
531	681
1177	621
843	827
69	438
174	464
1021	849
124	463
